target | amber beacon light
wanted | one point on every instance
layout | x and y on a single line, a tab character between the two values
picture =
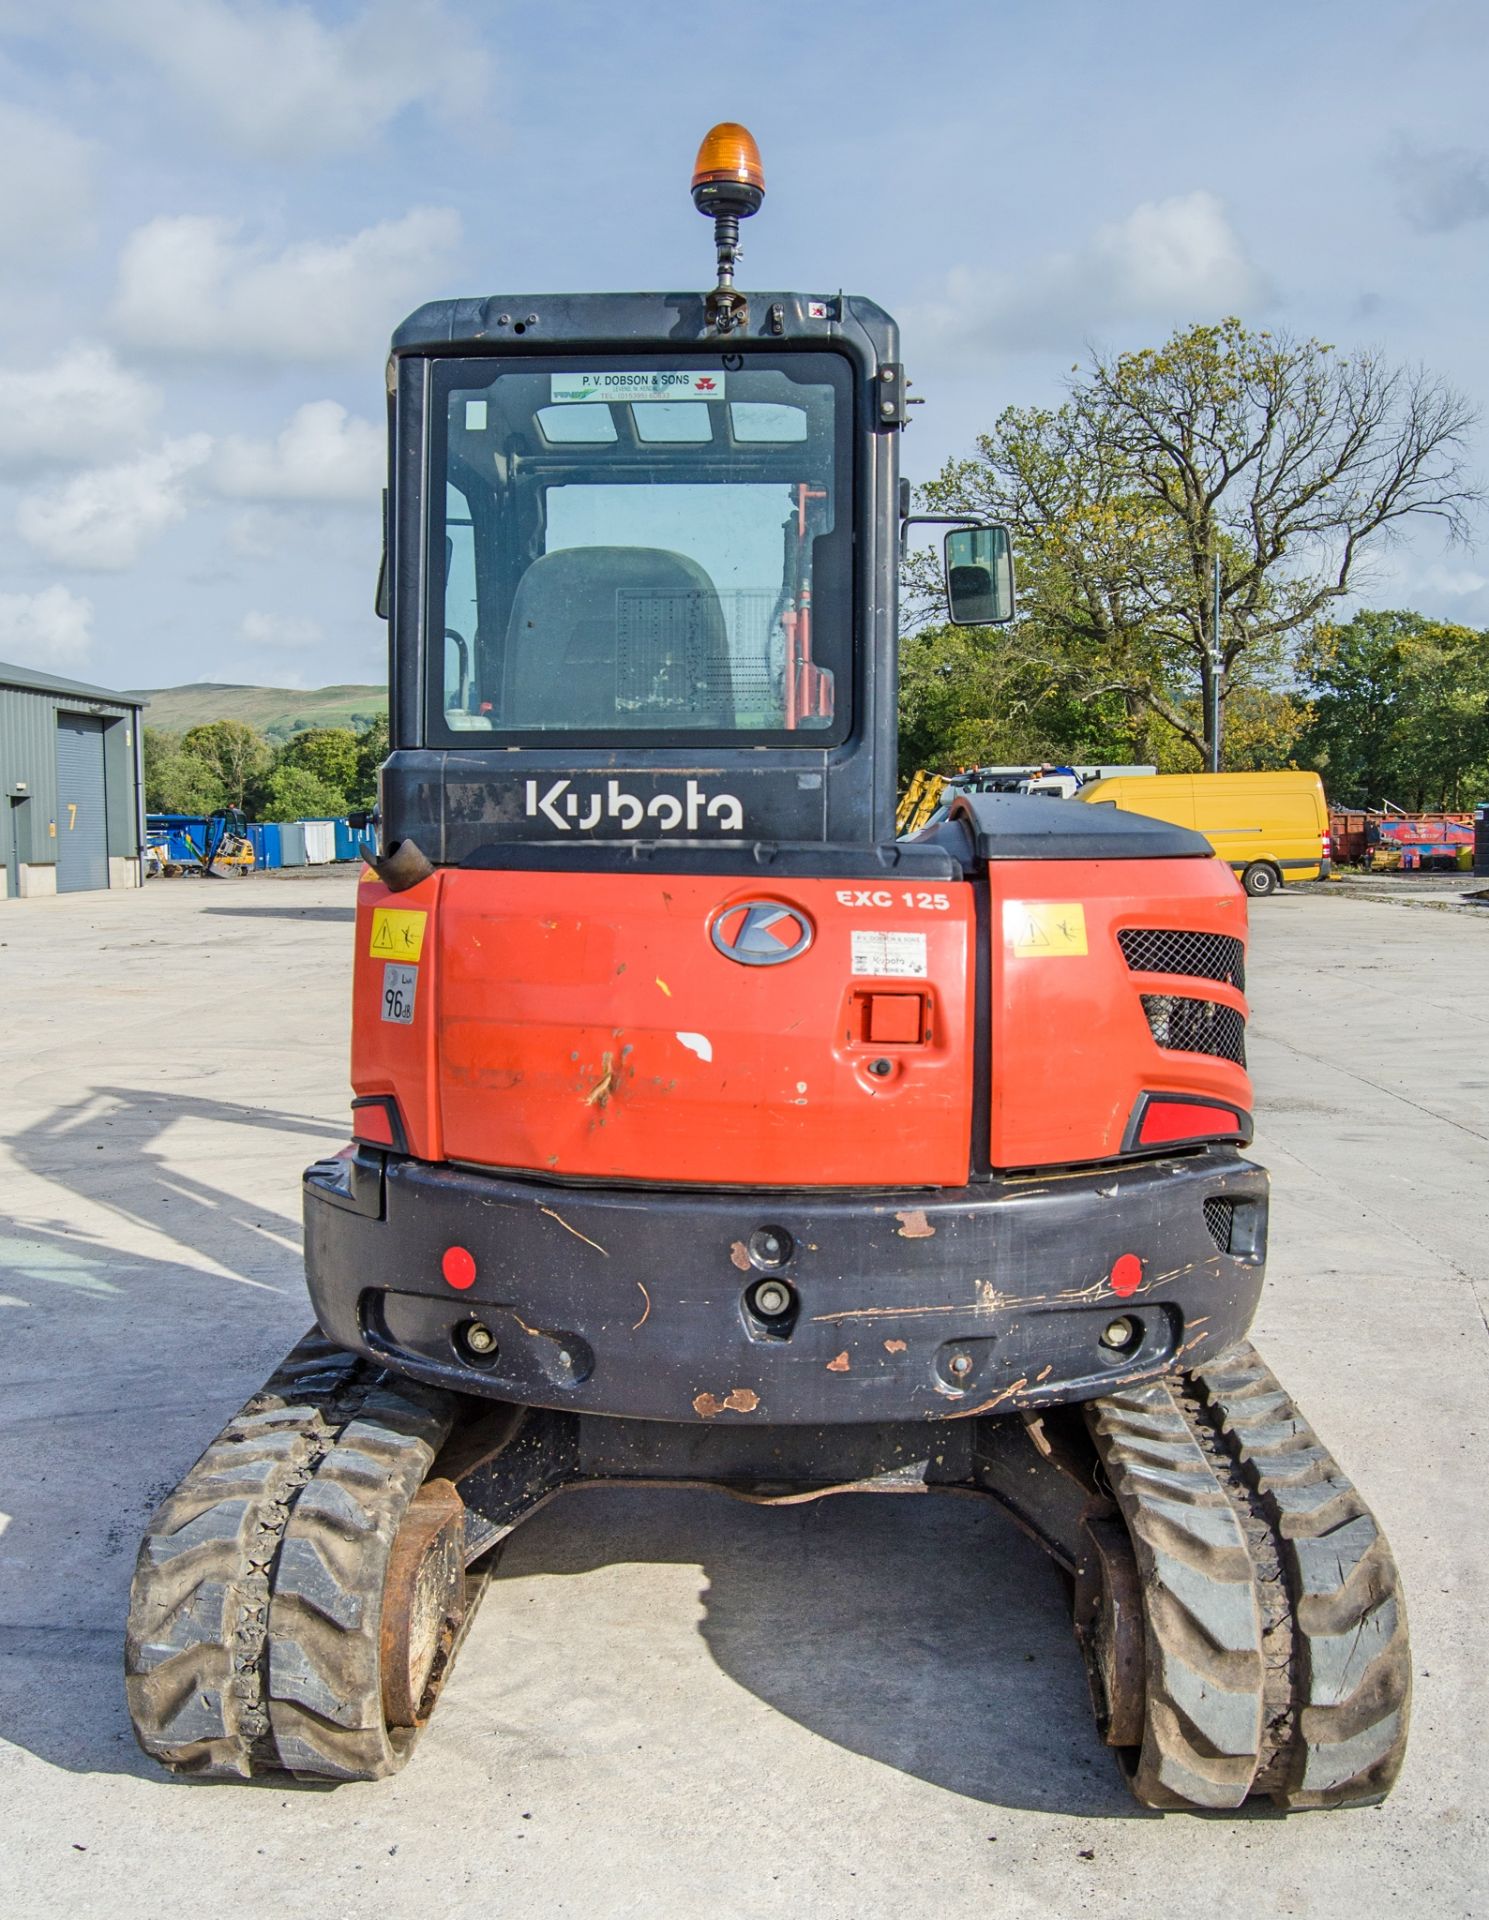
728	186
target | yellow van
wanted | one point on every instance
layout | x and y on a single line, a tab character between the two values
1265	826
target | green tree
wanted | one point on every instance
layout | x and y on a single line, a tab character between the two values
295	793
977	697
239	756
1284	460
176	781
328	754
372	750
1400	711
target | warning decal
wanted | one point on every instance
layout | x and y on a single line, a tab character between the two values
1044	929
397	933
899	956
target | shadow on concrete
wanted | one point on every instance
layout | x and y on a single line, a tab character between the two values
108	1149
924	1633
116	1369
286	913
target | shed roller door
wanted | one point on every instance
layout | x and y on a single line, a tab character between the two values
82	831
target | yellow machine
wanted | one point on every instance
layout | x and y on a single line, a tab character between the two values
1267	827
920	800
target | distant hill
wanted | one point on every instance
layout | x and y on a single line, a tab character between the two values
276	711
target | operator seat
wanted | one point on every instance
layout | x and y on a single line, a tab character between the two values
613	637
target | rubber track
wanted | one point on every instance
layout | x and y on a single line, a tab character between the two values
1351	1665
1275	1629
254	1614
1202	1734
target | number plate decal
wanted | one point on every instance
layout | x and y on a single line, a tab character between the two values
399	984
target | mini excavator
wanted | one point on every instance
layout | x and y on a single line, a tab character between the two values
704	1132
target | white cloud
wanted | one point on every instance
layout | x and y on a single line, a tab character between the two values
189	284
324	453
47	205
47	630
282	632
101	519
83	406
280	82
1168	261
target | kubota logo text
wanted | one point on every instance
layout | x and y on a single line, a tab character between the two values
572	812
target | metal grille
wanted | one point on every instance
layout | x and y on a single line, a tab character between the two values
671	656
1182	1025
1220	1218
1202	956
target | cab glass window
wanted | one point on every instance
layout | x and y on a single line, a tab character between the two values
657	547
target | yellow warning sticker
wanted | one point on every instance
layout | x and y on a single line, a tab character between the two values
398	933
1044	929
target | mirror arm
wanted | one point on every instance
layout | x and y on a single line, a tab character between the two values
908	520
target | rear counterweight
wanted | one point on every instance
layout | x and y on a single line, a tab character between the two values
667	1304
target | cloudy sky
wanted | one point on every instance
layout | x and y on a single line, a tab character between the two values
212	212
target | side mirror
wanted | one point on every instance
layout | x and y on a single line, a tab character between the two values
979	576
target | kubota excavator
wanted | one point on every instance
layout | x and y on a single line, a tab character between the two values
705	1132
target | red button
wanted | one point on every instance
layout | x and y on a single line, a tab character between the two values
459	1268
1126	1275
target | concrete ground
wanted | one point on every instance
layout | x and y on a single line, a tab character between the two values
672	1704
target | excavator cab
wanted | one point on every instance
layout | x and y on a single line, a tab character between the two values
705	1131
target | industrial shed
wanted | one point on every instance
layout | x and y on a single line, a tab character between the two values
70	785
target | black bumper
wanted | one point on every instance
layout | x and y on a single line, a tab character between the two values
903	1306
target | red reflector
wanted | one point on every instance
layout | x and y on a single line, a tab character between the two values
1126	1274
459	1267
1185	1120
374	1125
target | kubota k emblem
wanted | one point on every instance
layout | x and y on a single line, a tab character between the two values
761	933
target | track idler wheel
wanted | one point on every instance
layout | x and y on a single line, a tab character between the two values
423	1607
1109	1625
1240	1613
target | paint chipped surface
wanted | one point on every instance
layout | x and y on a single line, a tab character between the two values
601	1091
698	1043
663	985
737	1400
986	1406
894	1346
574	1230
914	1225
840	1364
739	1254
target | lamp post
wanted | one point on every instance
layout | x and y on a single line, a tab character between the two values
1217	661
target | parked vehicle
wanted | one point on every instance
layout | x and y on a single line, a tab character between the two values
1267	827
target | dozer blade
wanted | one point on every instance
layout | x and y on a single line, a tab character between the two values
1243	1626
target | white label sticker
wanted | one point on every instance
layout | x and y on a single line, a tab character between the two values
573	389
399	984
816	309
900	956
475	416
